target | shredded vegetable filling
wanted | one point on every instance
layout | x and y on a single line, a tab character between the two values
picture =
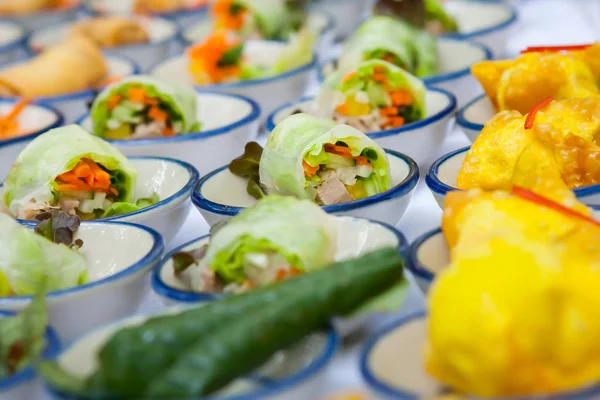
136	114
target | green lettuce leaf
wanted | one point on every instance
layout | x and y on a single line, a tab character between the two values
297	53
299	230
434	11
120	208
55	152
180	100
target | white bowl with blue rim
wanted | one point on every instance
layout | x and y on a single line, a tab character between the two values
24	384
12	37
45	18
427	256
228	122
355	237
488	22
72	105
162	34
298	373
472	117
455	60
441	179
219	195
33	120
317	21
268	92
392	363
420	140
348	14
120	256
183	17
172	181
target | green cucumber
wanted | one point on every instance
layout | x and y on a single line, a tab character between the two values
201	350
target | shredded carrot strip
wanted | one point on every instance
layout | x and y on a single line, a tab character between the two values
395	122
136	94
532	114
362	160
283	274
225	18
168	131
388	111
339	150
342	109
308	169
401	98
348	76
113	101
157	114
379	77
85	176
205	58
9	126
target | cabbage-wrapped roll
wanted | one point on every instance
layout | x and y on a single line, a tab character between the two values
276	239
28	259
76	64
141	107
377	95
313	158
111	31
69	169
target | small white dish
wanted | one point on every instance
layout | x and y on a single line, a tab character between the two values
12	36
183	18
318	22
34	119
485	21
220	195
473	116
74	104
119	258
441	179
348	14
268	92
298	373
172	181
24	384
228	122
356	237
420	140
43	19
162	34
455	60
427	256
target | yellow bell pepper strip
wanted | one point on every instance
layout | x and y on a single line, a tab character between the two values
228	15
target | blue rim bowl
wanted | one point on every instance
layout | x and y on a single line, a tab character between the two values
401	189
511	20
59	120
461	119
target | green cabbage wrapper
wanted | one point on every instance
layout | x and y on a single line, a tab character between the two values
434	11
270	16
301	137
57	151
299	230
426	54
363	81
298	52
27	260
27	328
180	99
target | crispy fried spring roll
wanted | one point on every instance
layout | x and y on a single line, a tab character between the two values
111	31
74	65
20	7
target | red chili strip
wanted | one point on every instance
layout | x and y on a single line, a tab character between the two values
536	49
546	202
532	114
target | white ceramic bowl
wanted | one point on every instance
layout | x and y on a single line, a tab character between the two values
228	122
488	22
427	256
172	180
74	104
44	19
319	22
267	92
348	14
356	237
298	373
441	179
119	258
24	384
162	34
473	116
183	18
420	140
12	36
220	195
34	118
455	60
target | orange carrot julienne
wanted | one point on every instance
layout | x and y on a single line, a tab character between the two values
534	110
113	101
348	76
395	122
136	94
401	98
85	176
309	170
339	150
379	77
388	111
168	131
157	114
362	160
16	110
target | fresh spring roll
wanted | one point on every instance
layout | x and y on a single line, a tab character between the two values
376	96
313	158
73	170
278	238
74	65
28	260
111	31
141	107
